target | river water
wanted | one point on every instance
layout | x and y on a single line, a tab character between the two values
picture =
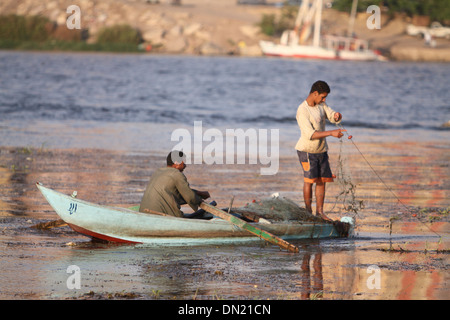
134	102
100	123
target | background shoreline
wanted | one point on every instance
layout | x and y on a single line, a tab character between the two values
202	27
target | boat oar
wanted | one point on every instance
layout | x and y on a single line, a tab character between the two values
250	228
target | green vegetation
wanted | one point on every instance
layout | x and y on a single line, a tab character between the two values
55	45
20	28
123	34
437	10
272	26
39	33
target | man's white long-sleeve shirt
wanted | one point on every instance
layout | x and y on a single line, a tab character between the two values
311	119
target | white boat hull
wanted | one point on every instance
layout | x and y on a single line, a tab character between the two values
311	52
296	51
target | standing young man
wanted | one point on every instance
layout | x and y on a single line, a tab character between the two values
312	147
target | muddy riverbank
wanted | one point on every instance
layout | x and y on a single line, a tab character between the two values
402	235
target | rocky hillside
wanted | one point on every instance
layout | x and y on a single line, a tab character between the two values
195	27
219	27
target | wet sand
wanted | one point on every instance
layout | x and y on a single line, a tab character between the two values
404	235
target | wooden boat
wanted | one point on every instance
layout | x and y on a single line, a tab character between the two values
129	226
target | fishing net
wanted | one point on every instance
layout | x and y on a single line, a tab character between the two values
280	209
343	198
277	208
389	181
346	200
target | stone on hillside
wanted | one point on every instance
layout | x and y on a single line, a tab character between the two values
249	31
154	35
176	45
210	49
191	29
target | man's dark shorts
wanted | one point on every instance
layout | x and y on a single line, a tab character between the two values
315	167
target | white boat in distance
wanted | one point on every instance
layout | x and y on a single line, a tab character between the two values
329	48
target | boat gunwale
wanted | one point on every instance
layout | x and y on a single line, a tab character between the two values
111	209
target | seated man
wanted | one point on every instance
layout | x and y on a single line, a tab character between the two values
168	189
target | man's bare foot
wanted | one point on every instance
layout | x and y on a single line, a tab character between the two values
323	216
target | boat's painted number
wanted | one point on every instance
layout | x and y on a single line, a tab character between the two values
72	208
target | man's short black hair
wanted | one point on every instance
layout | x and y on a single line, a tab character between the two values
175	156
320	86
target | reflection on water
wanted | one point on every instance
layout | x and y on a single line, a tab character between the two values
316	287
326	269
